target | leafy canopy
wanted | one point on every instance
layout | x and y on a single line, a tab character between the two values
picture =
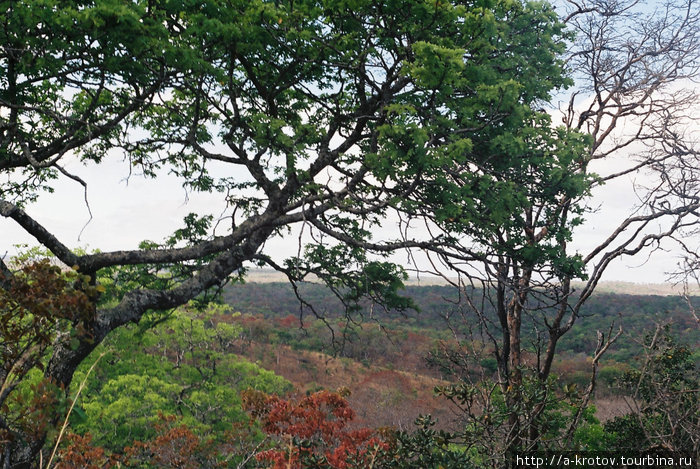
327	114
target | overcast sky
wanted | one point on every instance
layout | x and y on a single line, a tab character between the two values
127	212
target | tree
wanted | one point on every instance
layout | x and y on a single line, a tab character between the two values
631	65
329	115
312	432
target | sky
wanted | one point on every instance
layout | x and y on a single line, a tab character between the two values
127	211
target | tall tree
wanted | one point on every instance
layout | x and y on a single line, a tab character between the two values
632	65
327	114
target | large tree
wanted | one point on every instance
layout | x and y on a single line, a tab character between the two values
633	67
328	114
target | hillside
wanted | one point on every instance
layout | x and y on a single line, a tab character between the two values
441	312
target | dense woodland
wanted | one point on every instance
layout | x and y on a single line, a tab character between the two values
470	138
201	376
441	314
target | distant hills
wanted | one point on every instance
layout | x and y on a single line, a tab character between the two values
626	288
266	295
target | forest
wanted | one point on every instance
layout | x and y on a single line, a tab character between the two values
515	154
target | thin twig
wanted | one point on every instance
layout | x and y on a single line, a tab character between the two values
75	399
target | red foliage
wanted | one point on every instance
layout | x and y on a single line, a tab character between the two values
81	454
175	446
288	322
38	296
312	428
37	303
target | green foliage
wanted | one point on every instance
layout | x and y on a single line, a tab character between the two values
489	172
666	397
117	281
275	301
426	447
591	435
182	367
69	71
434	104
627	433
351	275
